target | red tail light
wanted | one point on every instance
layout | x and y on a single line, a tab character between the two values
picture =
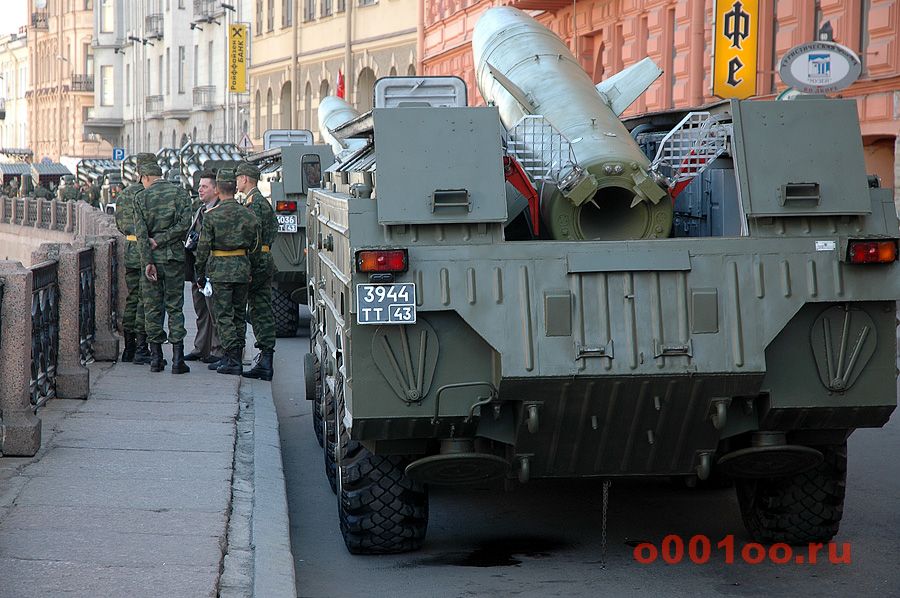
285	206
382	260
872	252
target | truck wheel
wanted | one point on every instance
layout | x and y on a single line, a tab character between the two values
329	436
381	510
314	395
286	312
798	509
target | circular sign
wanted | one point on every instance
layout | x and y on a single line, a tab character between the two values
819	67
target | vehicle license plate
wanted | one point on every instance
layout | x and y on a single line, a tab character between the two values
386	303
287	223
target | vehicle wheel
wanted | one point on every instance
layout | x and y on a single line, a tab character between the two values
381	510
798	509
286	312
329	436
314	394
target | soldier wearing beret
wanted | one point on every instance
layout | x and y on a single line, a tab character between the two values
162	215
136	348
262	268
230	233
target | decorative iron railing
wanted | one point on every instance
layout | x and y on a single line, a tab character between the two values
46	214
205	97
44	332
82	83
31	213
86	305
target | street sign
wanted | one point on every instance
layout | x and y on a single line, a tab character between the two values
237	58
735	42
245	143
819	67
118	154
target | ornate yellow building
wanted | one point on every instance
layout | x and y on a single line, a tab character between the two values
298	47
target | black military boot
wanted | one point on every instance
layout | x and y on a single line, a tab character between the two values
130	347
263	369
232	364
156	358
178	364
215	364
141	352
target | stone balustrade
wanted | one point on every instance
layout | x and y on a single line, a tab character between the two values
58	314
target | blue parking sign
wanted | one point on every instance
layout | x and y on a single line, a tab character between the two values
118	153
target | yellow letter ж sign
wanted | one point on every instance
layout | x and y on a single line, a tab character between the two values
735	43
237	58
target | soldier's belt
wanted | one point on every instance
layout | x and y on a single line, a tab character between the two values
228	252
130	238
265	249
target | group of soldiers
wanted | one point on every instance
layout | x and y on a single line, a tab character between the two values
68	190
214	242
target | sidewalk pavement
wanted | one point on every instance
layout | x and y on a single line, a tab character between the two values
131	492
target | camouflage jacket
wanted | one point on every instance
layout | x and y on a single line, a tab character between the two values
228	226
161	212
70	194
43	193
268	227
125	223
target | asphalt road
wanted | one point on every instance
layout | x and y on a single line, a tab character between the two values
544	539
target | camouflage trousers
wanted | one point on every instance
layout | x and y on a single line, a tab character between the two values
259	303
133	317
229	307
166	295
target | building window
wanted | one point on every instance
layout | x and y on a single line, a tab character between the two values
256	116
269	110
259	17
159	77
107	91
88	60
326	8
865	7
181	64
128	85
309	10
341	5
209	64
209	134
368	2
89	4
270	17
287	13
196	66
107	14
168	72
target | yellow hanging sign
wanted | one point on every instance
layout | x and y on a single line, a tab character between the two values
237	58
735	41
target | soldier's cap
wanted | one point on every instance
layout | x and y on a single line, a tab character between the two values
225	175
247	169
145	158
149	169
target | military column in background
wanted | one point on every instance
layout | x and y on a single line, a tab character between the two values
136	349
262	268
162	216
230	232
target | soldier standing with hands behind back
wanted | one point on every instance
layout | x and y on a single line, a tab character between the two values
162	215
230	232
259	294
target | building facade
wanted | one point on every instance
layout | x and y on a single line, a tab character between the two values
60	93
609	35
162	77
299	47
13	87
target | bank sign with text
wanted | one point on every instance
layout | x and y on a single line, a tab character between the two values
735	42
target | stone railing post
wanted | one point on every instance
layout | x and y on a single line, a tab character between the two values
39	213
72	378
106	344
20	428
53	215
25	203
12	212
70	219
3	209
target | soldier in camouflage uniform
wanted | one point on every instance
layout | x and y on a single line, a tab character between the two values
230	232
42	192
136	349
262	268
68	191
162	215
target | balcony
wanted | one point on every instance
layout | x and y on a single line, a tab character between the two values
207	10
153	26
153	106
40	20
205	98
82	83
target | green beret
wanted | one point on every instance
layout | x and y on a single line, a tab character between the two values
225	175
149	169
247	169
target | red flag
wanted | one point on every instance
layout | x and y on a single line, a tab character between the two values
340	86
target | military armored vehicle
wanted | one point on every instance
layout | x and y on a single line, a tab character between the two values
458	337
286	189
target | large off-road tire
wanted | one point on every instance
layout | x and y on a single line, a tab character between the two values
381	510
798	509
329	436
314	395
286	312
